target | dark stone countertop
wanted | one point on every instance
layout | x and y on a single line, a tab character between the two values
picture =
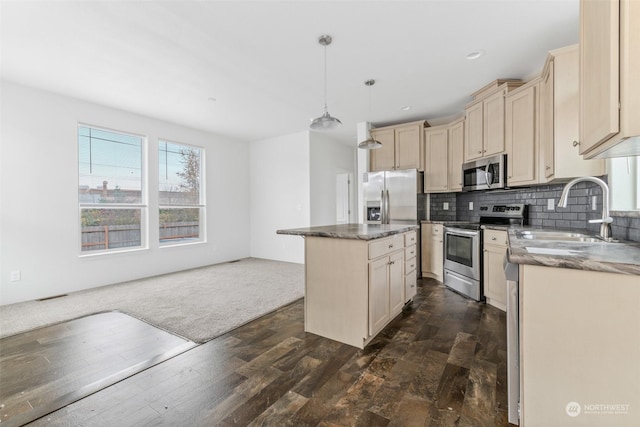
622	257
351	231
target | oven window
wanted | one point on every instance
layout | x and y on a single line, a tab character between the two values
460	249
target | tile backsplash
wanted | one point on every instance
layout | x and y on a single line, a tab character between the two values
575	216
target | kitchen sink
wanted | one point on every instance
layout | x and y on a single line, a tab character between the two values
557	235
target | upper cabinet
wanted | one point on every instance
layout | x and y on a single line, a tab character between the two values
443	157
521	134
559	98
484	128
609	83
402	147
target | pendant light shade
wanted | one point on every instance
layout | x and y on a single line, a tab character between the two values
326	121
370	143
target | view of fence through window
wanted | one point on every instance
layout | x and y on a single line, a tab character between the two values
179	194
110	190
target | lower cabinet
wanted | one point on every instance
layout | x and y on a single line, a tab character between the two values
495	282
354	288
386	286
432	251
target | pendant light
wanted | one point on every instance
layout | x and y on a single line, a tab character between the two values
370	143
325	121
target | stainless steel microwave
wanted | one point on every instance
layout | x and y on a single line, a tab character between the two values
485	174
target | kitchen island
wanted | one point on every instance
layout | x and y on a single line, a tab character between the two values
357	278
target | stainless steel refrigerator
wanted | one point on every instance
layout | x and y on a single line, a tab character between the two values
392	197
395	197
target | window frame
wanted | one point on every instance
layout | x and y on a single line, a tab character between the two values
143	205
201	205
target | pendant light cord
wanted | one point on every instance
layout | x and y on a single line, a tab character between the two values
325	78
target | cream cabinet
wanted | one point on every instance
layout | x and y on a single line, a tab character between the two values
443	157
521	134
432	251
402	147
579	342
386	286
410	265
609	83
484	122
354	288
494	280
560	158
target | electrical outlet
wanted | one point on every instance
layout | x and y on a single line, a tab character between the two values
594	203
445	206
551	206
470	206
14	276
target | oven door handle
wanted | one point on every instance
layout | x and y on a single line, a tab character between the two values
465	233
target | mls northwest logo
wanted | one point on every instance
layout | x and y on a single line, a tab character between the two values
573	409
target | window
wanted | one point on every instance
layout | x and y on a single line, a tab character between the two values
110	190
624	181
181	201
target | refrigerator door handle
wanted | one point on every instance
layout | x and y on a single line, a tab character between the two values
388	207
382	207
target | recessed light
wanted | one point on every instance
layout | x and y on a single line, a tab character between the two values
211	98
474	55
406	108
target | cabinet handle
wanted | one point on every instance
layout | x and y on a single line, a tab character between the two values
548	167
391	262
576	143
390	246
480	152
493	238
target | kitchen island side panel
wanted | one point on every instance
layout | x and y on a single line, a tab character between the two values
336	289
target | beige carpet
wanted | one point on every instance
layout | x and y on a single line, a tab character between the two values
198	304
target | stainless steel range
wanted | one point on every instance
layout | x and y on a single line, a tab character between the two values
463	247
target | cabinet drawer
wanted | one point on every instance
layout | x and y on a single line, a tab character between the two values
495	237
409	266
410	238
385	246
410	252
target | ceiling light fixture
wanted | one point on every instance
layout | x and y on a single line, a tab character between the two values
406	108
325	121
474	55
370	143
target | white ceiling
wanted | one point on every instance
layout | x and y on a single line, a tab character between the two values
262	63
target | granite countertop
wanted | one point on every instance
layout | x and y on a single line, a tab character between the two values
351	231
622	257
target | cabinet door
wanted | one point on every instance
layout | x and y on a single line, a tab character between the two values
383	158
493	124
408	142
456	147
473	132
495	282
396	283
436	161
546	123
425	253
521	137
599	71
437	251
378	295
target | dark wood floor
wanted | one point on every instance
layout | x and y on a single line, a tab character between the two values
51	367
441	363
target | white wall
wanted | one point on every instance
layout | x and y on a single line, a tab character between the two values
327	159
38	194
280	196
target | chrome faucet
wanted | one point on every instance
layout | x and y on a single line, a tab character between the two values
606	220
